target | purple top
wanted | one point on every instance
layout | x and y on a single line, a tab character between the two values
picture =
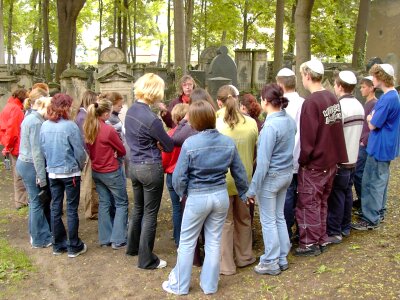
368	107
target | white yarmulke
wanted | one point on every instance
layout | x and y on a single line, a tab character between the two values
348	77
285	72
368	78
316	66
235	89
388	69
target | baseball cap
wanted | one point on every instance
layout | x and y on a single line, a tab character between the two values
348	77
285	72
316	66
388	69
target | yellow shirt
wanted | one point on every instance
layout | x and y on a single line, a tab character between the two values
245	135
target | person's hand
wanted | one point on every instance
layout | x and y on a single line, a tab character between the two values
369	117
162	106
5	152
250	200
159	146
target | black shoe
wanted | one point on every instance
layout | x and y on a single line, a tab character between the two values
363	225
313	250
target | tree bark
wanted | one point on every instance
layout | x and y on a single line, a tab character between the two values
179	39
303	37
245	24
100	28
169	34
358	59
134	30
9	34
278	43
124	38
2	52
67	13
189	28
291	30
46	40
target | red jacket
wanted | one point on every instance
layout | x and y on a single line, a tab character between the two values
170	159
102	152
10	125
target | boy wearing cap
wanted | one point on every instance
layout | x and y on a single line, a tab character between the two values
340	200
382	148
368	92
286	79
322	146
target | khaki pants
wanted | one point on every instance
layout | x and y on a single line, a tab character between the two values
89	195
20	195
236	242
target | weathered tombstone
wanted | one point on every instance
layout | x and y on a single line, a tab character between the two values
199	77
25	77
137	70
7	81
243	58
223	66
259	69
213	84
206	57
110	57
74	83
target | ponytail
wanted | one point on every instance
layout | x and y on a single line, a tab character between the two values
232	113
92	124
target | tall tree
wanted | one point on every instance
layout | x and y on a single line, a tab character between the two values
278	44
303	36
2	52
46	40
189	28
291	41
179	39
100	28
361	34
9	34
67	12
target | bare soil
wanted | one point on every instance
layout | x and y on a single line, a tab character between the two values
364	266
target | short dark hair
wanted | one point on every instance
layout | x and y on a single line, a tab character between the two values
202	115
289	82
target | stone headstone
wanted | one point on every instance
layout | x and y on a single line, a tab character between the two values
213	84
25	77
260	69
206	57
111	56
223	66
243	58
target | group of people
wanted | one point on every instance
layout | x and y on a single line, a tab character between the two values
299	165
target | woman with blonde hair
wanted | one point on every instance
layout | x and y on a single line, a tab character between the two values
31	166
35	94
236	244
105	147
145	135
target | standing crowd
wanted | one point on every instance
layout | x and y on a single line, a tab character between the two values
299	166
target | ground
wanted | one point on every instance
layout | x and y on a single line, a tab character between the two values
365	266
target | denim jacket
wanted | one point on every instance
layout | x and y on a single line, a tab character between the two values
204	161
29	148
62	147
274	149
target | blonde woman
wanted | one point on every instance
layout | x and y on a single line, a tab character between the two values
144	135
32	168
236	244
105	147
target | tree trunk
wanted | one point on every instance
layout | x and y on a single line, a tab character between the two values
179	39
134	30
67	13
46	40
205	24
169	34
40	44
278	44
2	52
124	38
291	30
303	37
358	59
100	28
130	36
9	34
34	53
119	26
115	23
245	24
160	51
189	28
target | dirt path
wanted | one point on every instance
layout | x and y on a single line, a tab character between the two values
364	266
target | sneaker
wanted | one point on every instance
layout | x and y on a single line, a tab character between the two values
323	247
270	269
165	286
59	252
363	225
358	212
105	245
73	255
382	219
334	239
312	250
284	267
346	233
43	246
117	246
161	265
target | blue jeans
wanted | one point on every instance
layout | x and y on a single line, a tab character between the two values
148	184
340	203
208	206
39	228
271	200
112	223
374	190
358	175
290	205
176	209
71	186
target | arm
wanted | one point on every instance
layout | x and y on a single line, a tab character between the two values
116	143
264	154
239	174
75	140
13	128
180	177
370	126
157	131
308	126
37	155
182	132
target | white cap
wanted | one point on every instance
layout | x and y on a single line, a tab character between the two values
235	89
348	77
388	69
368	78
316	66
285	72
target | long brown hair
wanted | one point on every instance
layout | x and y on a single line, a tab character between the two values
91	125
226	94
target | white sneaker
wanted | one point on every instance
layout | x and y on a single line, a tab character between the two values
165	286
73	255
162	264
